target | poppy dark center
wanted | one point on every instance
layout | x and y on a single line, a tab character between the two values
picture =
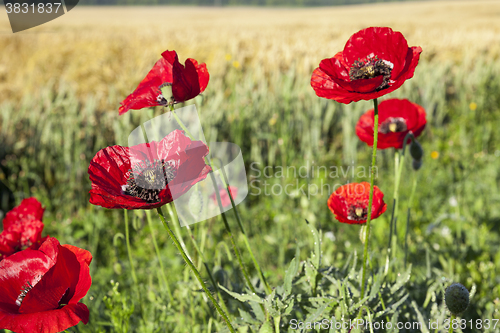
357	213
146	181
369	68
393	125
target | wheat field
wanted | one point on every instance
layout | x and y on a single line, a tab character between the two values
98	49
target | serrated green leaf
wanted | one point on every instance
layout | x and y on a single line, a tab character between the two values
243	297
290	274
316	254
247	317
257	310
316	314
266	328
289	308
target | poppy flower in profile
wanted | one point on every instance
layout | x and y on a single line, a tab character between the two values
147	175
22	228
375	61
396	117
187	82
224	197
41	289
349	203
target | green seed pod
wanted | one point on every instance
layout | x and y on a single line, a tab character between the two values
456	298
416	150
416	164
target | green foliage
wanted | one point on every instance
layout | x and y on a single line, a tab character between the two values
48	139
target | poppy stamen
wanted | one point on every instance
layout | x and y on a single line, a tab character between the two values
370	68
146	181
393	125
25	289
357	213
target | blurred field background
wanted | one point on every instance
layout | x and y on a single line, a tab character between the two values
60	88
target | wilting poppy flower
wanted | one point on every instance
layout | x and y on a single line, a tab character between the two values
374	62
187	82
349	203
396	117
147	175
224	197
22	228
41	288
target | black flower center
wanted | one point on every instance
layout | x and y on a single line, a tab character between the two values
370	68
393	125
357	213
147	180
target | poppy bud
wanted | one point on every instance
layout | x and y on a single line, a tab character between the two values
456	298
416	164
416	150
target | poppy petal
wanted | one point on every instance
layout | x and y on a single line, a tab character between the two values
46	322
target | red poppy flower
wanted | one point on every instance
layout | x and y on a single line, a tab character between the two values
187	82
396	117
224	197
41	288
148	175
22	227
349	203
375	62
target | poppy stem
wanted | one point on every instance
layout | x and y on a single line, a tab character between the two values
225	180
157	250
398	168
132	268
414	186
452	318
224	218
194	270
370	201
202	257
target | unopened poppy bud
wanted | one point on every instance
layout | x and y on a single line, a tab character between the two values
456	298
416	164
416	150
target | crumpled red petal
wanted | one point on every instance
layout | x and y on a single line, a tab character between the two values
187	82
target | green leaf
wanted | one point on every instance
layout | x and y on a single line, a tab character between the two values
316	314
243	297
316	254
402	279
266	328
257	310
420	317
290	274
247	317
